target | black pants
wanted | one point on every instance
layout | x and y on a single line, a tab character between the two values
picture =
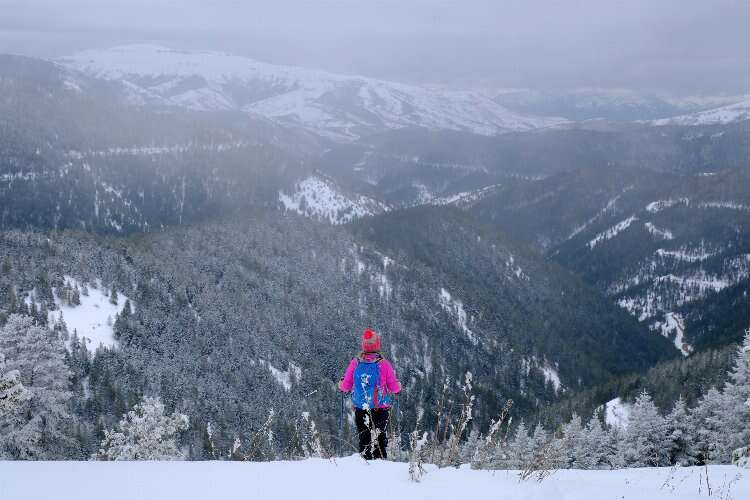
367	421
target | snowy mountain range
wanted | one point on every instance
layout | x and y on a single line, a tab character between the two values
332	105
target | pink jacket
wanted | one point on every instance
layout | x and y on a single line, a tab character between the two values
387	383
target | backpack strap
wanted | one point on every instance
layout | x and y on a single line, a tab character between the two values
379	357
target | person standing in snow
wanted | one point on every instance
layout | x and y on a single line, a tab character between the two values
373	383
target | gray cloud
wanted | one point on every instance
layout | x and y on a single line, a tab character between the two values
677	45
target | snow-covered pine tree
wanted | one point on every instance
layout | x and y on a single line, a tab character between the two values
468	448
737	390
736	393
680	432
547	451
45	428
145	433
706	418
614	451
12	391
646	443
539	438
573	442
594	449
519	448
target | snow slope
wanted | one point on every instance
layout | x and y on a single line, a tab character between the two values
338	106
320	198
347	478
736	112
612	232
93	319
455	308
673	327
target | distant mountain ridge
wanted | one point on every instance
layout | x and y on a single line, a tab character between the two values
735	112
620	105
335	106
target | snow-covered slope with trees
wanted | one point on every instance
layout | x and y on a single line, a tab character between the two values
736	112
664	247
89	311
320	198
322	479
337	106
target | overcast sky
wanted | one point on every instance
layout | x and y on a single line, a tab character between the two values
684	46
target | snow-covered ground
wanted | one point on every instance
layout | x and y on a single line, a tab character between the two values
337	106
93	319
608	208
320	198
455	308
463	199
662	233
351	478
673	327
612	232
551	376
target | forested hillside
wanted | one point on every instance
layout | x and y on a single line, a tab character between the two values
229	320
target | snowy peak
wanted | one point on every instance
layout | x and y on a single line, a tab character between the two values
337	106
320	198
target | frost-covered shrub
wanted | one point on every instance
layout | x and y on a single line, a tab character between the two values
145	433
741	457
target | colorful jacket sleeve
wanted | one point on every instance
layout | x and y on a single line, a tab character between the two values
388	377
347	382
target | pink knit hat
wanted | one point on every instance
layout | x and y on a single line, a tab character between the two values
370	341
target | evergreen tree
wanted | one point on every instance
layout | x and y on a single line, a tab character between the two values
710	432
519	449
12	391
736	413
468	449
646	436
44	427
615	448
594	449
573	442
145	433
538	438
679	434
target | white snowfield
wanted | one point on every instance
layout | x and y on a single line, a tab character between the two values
93	319
338	106
350	478
322	199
